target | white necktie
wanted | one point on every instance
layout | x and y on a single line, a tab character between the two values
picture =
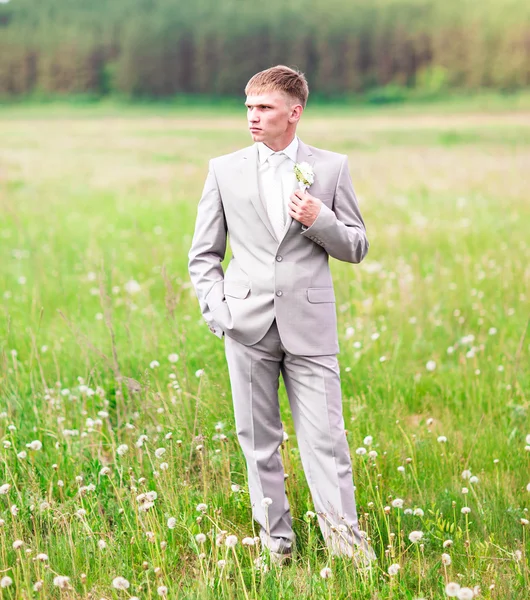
274	192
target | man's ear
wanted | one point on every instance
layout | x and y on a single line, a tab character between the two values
295	113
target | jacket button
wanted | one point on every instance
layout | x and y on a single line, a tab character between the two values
279	258
279	293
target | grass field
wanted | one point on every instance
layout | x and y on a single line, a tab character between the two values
111	387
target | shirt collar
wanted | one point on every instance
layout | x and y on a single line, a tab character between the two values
264	151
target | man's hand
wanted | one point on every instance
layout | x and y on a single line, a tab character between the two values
304	208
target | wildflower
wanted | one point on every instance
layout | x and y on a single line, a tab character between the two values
37	586
447	543
172	522
326	573
22	454
132	287
6	581
14	510
415	536
162	590
61	581
200	538
407	511
465	593
105	471
202	507
248	541
266	502
42	557
431	365
34	445
446	559
465	510
524	522
310	514
159	452
360	451
173	358
122	449
397	503
418	512
164	466
393	569
372	454
154	364
235	487
143	438
442	439
102	544
466	474
401	469
17	544
221	563
465	490
528	488
452	589
231	541
5	488
120	583
199	373
368	440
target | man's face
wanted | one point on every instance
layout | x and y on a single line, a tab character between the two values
271	116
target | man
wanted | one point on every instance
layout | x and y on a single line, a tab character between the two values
275	306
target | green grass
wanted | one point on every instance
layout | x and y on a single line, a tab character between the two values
92	198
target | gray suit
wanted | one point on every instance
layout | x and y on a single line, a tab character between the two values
276	306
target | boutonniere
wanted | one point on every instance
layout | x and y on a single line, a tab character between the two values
304	175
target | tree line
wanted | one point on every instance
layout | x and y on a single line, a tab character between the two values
160	48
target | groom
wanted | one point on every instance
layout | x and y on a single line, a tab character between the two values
275	307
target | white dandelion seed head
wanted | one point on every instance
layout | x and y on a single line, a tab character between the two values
221	563
61	581
407	511
266	502
466	474
173	357
248	541
199	373
122	449
120	583
394	569
528	488
202	507
368	440
17	544
6	581
161	590
397	503
418	512
431	365
132	286
441	439
447	543
200	538
465	510
5	488
231	541
310	514
326	573
465	490
415	536
452	589
42	557
465	593
35	445
159	452
446	559
102	544
154	364
361	451
172	523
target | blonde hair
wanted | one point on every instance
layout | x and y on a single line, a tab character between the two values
282	79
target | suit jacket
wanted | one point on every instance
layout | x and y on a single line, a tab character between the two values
287	279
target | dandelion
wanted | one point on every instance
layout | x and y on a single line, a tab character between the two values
447	543
154	364
401	469
418	512
446	559
266	502
102	544
310	514
415	536
231	541
368	440
465	510
17	544
361	451
132	287
172	522
221	563
37	586
326	573
431	365
6	581
22	454
104	471
528	488
452	589
201	538
465	593
248	541
199	373
122	449
465	490
466	474
372	454
173	357
120	583
34	445
61	581
159	452
441	439
201	507
161	590
397	503
5	488
14	510
42	557
164	466
393	569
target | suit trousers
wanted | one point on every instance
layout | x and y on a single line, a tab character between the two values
314	392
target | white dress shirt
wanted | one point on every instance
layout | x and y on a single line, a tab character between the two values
285	171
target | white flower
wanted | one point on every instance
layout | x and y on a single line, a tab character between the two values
466	474
418	512
105	471
248	541
22	454
528	439
34	445
120	583
310	514
415	536
6	581
199	372
446	559
122	449
37	586
431	365
102	544
360	451
397	503
173	358
368	440
41	556
202	507
465	490
231	541
304	174
132	287
200	538
473	479
326	573
17	544
159	452
465	510
372	454
465	593
61	581
266	502
452	589
154	364
5	488
14	510
447	543
442	439
393	569
162	590
528	488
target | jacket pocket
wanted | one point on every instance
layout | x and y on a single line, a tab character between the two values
317	295
236	289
